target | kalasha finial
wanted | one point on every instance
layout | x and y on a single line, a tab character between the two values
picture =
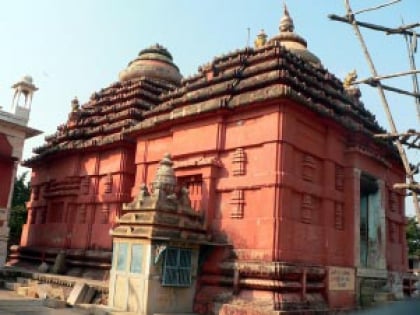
286	22
261	39
75	104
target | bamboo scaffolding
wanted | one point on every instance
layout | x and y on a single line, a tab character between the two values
388	76
388	30
377	7
411	48
350	19
411	138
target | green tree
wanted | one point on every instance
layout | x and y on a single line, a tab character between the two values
413	237
18	212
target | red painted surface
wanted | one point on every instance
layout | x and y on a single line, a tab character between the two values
6	170
276	180
74	203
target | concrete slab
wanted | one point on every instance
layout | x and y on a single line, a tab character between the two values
77	294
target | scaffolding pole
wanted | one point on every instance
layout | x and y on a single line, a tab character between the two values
350	19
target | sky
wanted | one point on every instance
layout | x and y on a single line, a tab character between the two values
74	48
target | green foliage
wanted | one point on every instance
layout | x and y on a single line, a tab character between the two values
18	211
413	237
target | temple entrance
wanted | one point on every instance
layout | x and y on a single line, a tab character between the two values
370	226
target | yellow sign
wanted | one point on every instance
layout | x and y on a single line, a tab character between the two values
341	279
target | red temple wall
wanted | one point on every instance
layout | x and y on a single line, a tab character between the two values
256	133
312	151
75	199
317	211
6	170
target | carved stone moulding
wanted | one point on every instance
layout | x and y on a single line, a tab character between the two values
104	215
307	208
339	216
108	183
309	166
238	202
393	201
82	213
239	162
339	177
85	185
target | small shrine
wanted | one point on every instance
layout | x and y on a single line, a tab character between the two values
156	248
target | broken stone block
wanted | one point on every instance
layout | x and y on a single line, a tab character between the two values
77	294
22	280
43	290
59	263
23	291
89	295
56	293
32	292
43	267
13	286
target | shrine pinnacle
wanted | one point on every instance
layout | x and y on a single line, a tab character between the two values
154	62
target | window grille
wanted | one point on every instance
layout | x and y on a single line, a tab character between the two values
177	267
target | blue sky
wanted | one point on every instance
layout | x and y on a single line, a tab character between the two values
73	48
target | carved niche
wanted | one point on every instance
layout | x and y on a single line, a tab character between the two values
108	183
104	213
339	177
307	208
82	214
239	162
308	168
85	185
339	216
393	201
238	202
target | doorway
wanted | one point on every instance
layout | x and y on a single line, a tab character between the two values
370	231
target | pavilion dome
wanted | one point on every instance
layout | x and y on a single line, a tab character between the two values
153	62
292	41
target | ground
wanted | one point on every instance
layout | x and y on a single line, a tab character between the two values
13	304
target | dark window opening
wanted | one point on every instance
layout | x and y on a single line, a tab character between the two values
177	267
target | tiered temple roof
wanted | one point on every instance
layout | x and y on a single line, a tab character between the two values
282	68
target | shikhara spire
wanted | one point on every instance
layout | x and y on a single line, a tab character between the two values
286	22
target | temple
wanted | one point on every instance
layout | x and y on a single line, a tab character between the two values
14	130
274	197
